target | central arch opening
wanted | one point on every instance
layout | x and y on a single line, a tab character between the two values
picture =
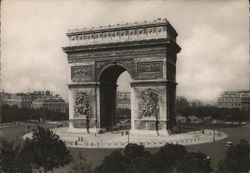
113	112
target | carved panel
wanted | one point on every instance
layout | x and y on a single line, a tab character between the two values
149	70
149	104
81	105
81	73
145	67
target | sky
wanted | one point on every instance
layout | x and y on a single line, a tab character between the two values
213	35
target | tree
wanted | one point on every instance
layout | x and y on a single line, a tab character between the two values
14	158
237	158
112	163
24	158
48	150
14	113
132	159
194	162
133	150
8	156
167	157
81	165
181	104
136	158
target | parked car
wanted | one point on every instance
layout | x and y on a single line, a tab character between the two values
229	144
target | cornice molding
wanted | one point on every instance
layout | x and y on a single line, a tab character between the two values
151	82
83	84
129	44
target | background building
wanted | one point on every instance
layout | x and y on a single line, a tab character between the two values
35	100
19	99
235	99
123	106
123	100
54	103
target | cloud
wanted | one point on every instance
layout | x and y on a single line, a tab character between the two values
210	63
124	82
213	36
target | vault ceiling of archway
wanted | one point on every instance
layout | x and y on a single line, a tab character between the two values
111	74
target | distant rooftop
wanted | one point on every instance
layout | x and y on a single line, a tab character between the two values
240	91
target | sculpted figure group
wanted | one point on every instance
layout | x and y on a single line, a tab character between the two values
81	105
149	101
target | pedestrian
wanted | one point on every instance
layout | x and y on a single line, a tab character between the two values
28	127
87	123
157	126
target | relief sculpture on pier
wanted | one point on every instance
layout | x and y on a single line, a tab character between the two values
81	105
149	106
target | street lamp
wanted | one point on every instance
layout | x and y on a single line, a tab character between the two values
213	135
128	136
95	127
28	127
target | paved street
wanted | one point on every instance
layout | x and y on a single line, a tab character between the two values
216	150
119	139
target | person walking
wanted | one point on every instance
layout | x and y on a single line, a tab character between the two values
87	123
157	126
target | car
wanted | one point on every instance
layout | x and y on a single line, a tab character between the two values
229	144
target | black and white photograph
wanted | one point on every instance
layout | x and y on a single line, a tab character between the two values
124	86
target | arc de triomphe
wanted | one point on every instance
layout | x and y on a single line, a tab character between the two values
98	55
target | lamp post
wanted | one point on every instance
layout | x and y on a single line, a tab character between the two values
95	127
128	136
28	127
213	135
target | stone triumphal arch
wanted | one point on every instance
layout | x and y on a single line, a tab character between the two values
98	55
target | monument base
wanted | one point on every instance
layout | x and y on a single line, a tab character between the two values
150	132
82	130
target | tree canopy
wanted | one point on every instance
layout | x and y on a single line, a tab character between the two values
226	114
237	158
8	156
194	162
47	150
14	113
166	159
81	165
135	159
